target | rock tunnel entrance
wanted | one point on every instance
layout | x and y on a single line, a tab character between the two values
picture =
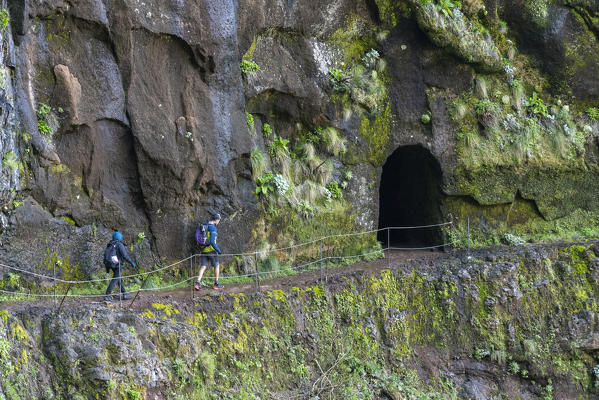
410	195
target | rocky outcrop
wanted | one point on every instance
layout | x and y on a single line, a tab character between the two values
522	323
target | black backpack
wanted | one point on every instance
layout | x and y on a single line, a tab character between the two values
111	259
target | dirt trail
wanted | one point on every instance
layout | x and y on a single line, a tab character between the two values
302	279
393	259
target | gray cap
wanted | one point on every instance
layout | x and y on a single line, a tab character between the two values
215	216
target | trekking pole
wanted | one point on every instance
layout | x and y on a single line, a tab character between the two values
191	275
121	287
64	297
143	284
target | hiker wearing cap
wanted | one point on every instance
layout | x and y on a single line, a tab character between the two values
114	257
206	236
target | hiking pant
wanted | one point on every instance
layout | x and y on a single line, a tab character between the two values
116	278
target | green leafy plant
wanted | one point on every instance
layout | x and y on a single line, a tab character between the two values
482	106
335	190
513	367
425	118
42	119
446	7
338	80
512	239
4	20
44	128
536	105
10	161
141	236
305	210
278	147
248	67
13	279
250	121
479	354
264	184
43	110
311	136
593	113
266	130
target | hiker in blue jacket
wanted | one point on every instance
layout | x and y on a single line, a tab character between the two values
121	256
210	254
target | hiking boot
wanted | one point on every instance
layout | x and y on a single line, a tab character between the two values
217	286
126	297
199	285
107	298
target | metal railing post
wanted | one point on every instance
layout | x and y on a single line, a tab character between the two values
257	271
54	284
389	246
468	235
329	250
320	261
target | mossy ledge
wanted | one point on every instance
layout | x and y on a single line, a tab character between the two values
520	321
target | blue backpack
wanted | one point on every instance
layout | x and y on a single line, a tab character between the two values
202	235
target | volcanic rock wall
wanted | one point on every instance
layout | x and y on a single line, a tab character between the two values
136	115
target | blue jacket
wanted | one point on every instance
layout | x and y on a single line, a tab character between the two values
212	235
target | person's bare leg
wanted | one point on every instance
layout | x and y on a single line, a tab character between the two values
216	272
202	269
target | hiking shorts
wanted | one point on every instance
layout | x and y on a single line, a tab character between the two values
209	259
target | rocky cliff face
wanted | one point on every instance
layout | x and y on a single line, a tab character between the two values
136	115
492	325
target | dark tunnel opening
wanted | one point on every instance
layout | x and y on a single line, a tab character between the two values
410	195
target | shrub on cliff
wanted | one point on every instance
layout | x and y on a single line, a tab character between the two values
4	20
248	67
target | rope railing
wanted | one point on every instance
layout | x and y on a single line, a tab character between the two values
325	242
